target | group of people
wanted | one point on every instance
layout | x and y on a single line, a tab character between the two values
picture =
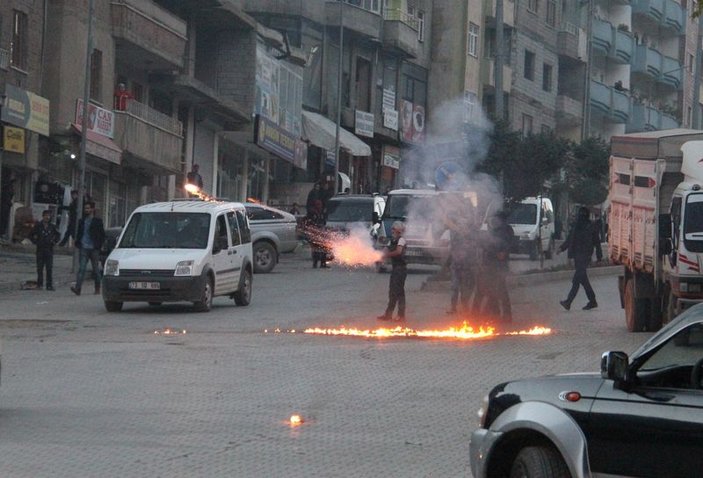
88	240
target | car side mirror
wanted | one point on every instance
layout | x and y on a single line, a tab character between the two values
613	366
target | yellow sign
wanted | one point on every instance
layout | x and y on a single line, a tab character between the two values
13	140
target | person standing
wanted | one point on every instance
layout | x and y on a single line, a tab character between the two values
395	251
463	246
44	235
315	233
194	177
122	97
72	217
314	195
583	238
496	254
91	235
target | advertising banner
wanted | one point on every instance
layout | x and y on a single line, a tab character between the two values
100	120
391	156
363	126
280	142
13	140
26	110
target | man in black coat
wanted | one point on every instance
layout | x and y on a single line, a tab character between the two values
91	235
45	235
583	238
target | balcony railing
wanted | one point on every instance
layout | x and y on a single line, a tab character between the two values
4	59
401	16
156	118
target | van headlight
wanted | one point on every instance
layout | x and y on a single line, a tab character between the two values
112	267
184	268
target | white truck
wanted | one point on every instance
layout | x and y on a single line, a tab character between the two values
656	223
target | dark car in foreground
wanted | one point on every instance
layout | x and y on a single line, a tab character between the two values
641	416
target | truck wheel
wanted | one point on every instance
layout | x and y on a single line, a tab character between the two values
264	257
635	309
539	462
243	295
113	306
205	302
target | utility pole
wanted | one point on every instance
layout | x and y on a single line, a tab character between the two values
499	61
586	125
697	71
339	95
84	123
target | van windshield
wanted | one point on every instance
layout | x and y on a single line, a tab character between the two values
349	211
523	214
167	230
402	207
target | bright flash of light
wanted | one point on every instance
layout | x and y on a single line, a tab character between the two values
465	332
196	191
354	251
254	201
170	331
296	420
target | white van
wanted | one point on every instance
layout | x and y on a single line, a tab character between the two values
532	220
181	250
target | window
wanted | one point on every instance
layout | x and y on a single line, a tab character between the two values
371	5
526	125
18	46
470	102
529	68
532	5
233	228
473	39
420	25
96	70
551	12
547	77
363	84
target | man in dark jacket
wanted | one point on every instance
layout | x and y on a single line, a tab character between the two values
494	270
583	238
91	235
45	235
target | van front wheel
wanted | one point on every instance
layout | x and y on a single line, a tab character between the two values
205	302
243	295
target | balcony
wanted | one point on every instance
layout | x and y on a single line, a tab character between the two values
672	75
602	36
508	14
674	17
400	32
488	75
647	62
359	20
569	42
652	10
668	122
569	111
623	48
614	105
151	138
147	34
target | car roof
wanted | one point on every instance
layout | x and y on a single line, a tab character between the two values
354	197
413	192
190	206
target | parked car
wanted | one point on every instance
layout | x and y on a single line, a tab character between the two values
641	416
348	211
272	232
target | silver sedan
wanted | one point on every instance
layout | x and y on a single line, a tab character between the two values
272	232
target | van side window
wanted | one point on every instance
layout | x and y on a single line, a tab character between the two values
243	227
221	232
233	228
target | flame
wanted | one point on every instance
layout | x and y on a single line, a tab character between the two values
254	201
170	331
464	332
296	420
196	191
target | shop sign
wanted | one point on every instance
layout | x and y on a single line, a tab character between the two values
280	142
390	119
412	122
26	110
100	120
391	157
13	140
388	99
363	125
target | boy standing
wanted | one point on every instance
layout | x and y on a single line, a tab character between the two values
45	235
396	286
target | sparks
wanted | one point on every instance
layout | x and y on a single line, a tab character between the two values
296	420
170	331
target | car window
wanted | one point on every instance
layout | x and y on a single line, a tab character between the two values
523	214
683	349
259	213
349	211
221	232
234	228
243	227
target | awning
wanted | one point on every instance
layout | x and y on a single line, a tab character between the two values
322	132
101	146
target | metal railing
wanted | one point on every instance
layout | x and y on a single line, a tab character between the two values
402	16
156	118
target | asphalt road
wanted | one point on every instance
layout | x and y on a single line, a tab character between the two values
86	393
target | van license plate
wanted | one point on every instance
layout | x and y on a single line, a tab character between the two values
145	285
